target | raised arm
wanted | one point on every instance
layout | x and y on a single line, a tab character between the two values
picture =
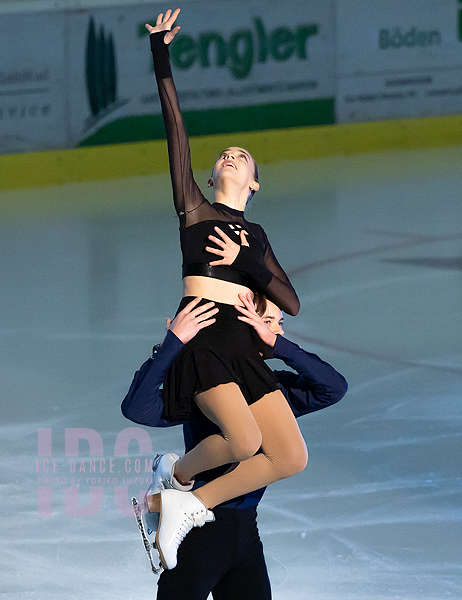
186	194
316	384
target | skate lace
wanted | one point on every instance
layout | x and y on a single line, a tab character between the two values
185	527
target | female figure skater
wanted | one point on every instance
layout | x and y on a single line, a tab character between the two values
224	258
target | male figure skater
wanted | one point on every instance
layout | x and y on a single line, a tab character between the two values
226	557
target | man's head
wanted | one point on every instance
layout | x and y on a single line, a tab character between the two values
270	313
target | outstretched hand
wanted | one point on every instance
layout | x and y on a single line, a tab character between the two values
164	23
228	250
249	315
191	320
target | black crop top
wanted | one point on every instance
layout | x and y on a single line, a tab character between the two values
256	266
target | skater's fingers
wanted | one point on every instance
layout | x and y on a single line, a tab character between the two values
206	323
204	316
192	318
171	17
182	318
221	243
223	235
245	319
224	262
264	332
228	250
214	250
171	34
228	255
247	301
242	310
202	309
191	305
244	299
252	317
164	22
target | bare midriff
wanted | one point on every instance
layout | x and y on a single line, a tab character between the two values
213	289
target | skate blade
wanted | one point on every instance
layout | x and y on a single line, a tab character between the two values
155	462
148	546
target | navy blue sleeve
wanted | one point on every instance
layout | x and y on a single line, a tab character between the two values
143	404
315	385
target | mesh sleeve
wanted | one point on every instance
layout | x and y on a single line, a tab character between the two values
279	290
269	276
186	194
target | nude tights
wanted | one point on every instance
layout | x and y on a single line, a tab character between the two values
268	423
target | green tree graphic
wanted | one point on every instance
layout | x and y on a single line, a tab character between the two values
100	69
90	69
112	79
100	59
460	21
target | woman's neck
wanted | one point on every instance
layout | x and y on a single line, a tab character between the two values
233	198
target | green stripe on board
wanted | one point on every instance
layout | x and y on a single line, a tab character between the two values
223	120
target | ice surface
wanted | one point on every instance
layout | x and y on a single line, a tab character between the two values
373	245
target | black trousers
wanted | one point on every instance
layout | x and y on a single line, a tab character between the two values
224	557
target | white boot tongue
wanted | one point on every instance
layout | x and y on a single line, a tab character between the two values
201	517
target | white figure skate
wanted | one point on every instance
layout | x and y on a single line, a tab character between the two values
148	522
180	512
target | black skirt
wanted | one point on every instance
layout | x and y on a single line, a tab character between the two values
227	351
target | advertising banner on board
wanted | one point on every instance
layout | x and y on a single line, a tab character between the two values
32	82
237	66
85	76
398	59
